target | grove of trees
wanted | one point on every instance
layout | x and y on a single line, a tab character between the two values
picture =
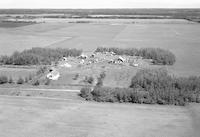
150	86
159	56
38	56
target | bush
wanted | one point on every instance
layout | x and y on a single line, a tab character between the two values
37	56
41	70
36	83
30	77
89	80
3	79
26	80
159	56
86	93
10	80
20	81
47	82
76	76
100	79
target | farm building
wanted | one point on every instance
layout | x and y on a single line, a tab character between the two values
53	74
64	58
65	64
120	59
82	56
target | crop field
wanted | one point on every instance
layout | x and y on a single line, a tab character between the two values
179	36
26	116
12	25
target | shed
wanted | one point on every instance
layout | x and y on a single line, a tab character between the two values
120	58
53	75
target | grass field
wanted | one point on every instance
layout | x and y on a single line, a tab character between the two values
26	116
179	36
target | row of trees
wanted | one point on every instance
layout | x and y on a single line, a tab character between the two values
159	56
150	86
4	79
38	56
20	80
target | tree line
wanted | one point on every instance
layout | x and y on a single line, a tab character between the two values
38	56
150	86
159	56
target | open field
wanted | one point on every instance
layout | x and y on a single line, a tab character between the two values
180	37
176	13
12	25
27	116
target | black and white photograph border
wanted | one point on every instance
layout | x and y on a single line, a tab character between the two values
117	68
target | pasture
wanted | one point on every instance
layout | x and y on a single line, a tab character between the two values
179	36
26	116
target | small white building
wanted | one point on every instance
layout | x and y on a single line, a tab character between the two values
121	59
65	64
64	59
53	74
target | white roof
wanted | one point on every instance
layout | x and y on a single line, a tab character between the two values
121	58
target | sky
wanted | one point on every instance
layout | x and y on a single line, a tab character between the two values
73	4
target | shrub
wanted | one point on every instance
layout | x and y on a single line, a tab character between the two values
99	82
20	80
86	93
89	80
26	80
41	70
3	79
102	75
76	76
36	83
30	77
47	82
100	79
103	94
10	80
159	56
